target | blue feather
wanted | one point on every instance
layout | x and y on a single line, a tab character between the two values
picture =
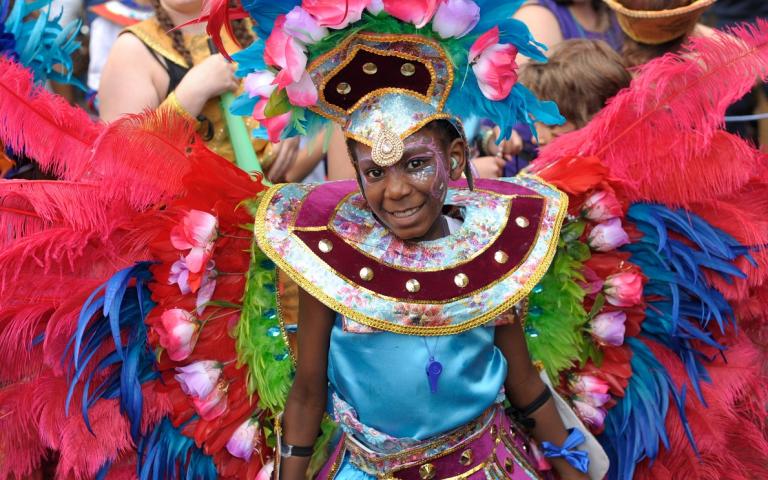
114	311
265	12
39	42
167	454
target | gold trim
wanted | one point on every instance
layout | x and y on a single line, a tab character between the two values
377	37
301	244
354	315
407	133
281	319
401	268
337	461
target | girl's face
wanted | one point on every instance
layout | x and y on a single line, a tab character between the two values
408	196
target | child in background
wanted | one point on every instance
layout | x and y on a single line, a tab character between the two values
580	76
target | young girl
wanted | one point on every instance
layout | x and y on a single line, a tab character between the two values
407	383
413	282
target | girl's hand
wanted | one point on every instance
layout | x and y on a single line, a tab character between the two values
208	79
489	167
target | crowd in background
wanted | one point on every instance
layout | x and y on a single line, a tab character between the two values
149	54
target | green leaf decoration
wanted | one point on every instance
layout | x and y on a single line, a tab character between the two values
277	104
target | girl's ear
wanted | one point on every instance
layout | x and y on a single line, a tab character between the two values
457	158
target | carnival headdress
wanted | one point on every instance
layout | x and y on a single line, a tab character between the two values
382	69
654	27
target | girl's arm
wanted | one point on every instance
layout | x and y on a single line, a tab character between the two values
305	406
523	386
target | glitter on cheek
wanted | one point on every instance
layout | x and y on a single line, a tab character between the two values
424	175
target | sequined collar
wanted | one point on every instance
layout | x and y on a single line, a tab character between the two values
326	239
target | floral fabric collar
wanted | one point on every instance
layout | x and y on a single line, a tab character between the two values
326	239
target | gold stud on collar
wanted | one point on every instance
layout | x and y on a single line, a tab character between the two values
408	69
522	222
461	280
325	246
427	471
466	457
366	274
500	257
412	285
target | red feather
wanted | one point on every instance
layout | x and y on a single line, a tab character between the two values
43	126
661	137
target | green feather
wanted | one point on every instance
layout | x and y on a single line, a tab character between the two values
555	326
261	343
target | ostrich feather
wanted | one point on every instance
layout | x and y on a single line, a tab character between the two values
43	126
661	135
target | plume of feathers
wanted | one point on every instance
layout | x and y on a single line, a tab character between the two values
661	137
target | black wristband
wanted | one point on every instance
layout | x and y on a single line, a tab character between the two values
522	415
287	451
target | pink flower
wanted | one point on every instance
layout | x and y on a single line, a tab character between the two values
376	6
198	379
266	471
303	27
260	84
494	65
595	399
602	206
455	18
285	52
592	416
609	328
214	404
589	384
274	125
417	12
592	284
244	440
302	93
334	13
178	334
196	233
203	282
608	236
624	289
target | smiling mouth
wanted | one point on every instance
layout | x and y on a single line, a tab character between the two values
406	213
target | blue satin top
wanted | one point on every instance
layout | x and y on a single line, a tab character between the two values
383	377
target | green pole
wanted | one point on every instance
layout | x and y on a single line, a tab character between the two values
245	156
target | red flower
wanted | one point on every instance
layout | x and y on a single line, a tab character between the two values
494	65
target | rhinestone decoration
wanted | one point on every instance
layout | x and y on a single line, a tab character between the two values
500	257
522	222
408	69
466	457
343	88
370	68
366	274
325	246
427	471
387	148
412	285
461	280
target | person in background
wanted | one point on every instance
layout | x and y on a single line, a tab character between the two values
551	22
580	76
155	64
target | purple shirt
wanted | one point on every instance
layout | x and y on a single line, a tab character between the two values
570	28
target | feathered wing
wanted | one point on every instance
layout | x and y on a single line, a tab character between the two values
666	244
87	369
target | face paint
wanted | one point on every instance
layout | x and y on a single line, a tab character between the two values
408	196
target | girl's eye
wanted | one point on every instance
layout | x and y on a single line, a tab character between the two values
415	163
374	173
